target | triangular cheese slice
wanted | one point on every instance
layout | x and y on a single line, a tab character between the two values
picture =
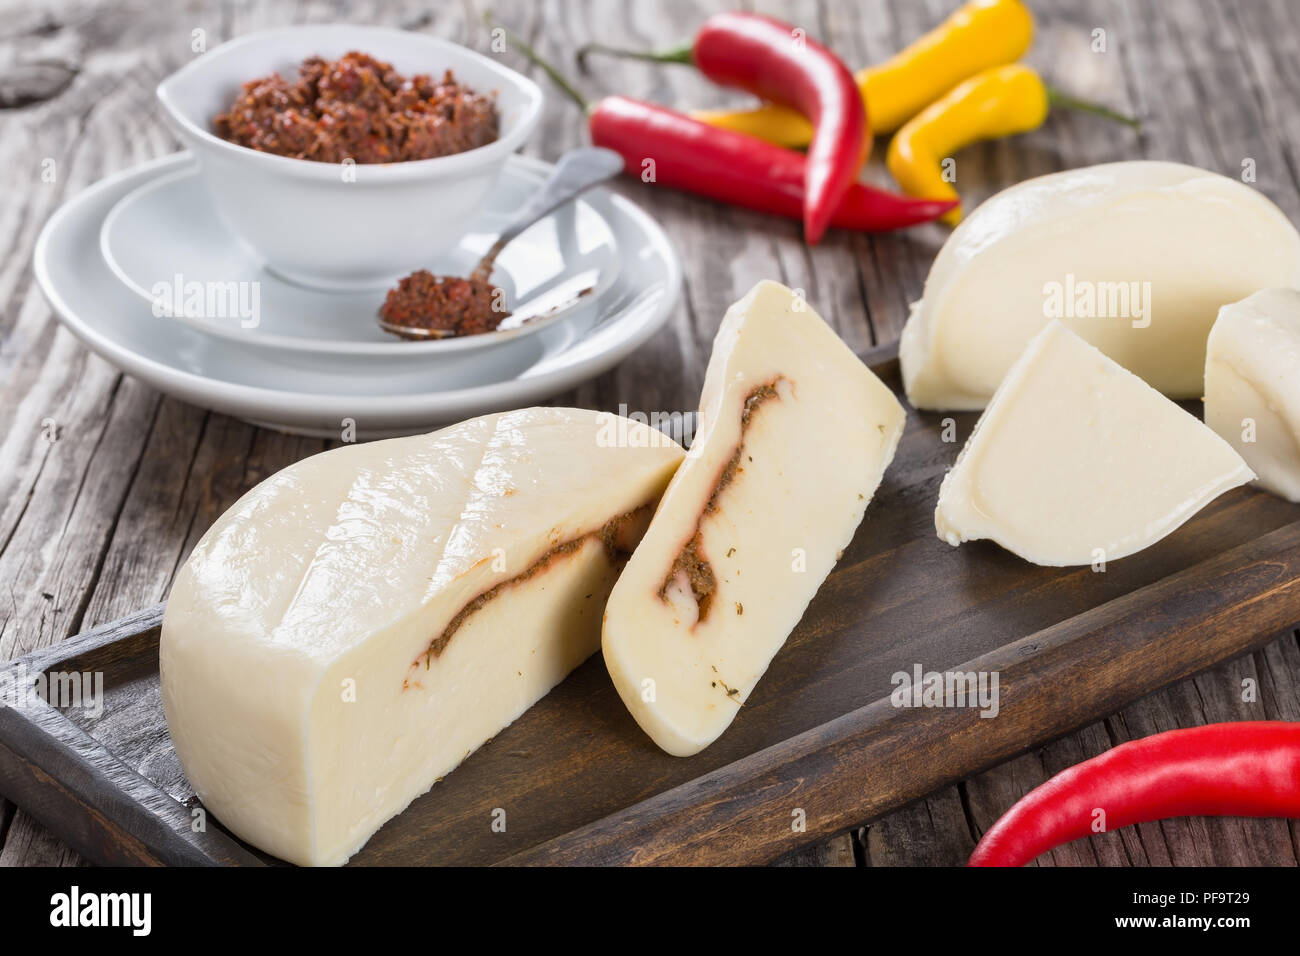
1078	461
795	435
357	624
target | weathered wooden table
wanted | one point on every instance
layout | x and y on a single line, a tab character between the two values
105	485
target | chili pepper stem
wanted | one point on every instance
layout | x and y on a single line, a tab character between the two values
558	78
1065	101
678	54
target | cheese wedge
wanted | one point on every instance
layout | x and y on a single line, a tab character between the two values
360	622
795	434
1136	257
1252	385
1078	461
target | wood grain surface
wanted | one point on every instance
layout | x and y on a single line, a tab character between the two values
105	485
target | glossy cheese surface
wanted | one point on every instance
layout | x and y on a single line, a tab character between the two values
1136	257
298	679
1252	385
1077	461
795	435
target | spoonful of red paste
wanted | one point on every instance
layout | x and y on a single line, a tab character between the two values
427	306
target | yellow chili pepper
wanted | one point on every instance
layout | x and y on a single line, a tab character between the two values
980	34
999	102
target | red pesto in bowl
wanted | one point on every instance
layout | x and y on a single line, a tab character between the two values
358	108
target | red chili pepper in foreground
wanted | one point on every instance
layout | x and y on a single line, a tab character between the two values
776	62
668	148
1249	769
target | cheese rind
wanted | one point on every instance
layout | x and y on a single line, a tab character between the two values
1077	461
1088	246
1252	385
795	435
297	675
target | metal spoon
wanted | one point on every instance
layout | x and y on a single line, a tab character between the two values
575	173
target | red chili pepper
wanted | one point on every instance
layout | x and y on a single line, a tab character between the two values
777	62
668	148
1249	769
671	149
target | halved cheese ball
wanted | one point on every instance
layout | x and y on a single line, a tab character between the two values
1252	385
359	623
1136	257
1078	461
795	434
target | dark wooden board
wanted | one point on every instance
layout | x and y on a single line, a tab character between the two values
580	783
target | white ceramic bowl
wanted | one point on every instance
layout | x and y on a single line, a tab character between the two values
323	224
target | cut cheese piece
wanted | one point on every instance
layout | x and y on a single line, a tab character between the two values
360	622
1078	461
1252	385
795	434
1136	257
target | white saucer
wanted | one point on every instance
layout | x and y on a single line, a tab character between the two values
314	393
167	232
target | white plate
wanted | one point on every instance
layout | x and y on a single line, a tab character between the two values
167	231
312	398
